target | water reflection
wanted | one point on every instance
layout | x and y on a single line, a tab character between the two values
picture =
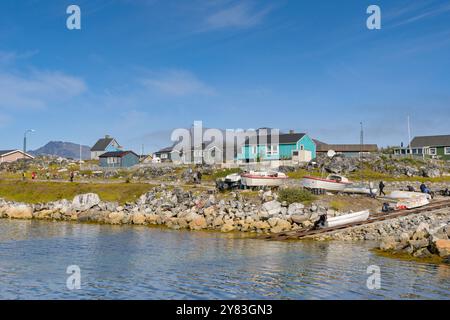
150	263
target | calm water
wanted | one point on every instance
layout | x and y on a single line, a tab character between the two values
123	262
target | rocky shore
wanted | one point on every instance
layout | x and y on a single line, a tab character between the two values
176	209
179	209
422	243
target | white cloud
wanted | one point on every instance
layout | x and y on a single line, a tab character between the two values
424	13
177	83
9	57
37	89
241	15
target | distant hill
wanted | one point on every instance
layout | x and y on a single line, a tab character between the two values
63	149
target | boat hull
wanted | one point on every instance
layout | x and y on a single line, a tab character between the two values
408	195
255	181
412	203
360	190
347	218
325	184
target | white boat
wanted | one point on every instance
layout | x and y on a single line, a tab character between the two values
412	203
331	183
408	195
360	189
233	178
263	179
347	218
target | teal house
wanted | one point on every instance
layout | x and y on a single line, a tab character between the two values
118	159
288	146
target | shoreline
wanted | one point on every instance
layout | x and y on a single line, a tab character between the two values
177	209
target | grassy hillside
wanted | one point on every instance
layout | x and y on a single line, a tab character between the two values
38	191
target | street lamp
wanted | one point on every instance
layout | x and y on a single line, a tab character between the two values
25	139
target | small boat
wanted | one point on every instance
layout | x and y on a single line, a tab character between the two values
347	218
233	178
408	195
231	181
331	183
360	189
263	179
412	203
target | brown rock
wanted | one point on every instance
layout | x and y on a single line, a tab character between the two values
442	247
198	223
19	212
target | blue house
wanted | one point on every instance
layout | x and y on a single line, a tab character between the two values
290	146
118	159
106	144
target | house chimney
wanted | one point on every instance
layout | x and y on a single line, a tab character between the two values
107	136
291	131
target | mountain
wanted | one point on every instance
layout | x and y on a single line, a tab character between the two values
63	149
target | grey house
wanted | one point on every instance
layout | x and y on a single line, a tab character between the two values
106	144
118	159
428	147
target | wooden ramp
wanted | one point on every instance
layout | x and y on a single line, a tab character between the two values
299	234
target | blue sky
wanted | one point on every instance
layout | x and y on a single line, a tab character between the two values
138	69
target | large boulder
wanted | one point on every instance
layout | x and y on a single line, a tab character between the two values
83	202
116	217
297	218
295	209
388	243
431	172
198	223
227	227
20	212
442	247
272	208
138	218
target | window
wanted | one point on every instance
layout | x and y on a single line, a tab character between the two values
112	160
447	150
163	155
272	149
433	151
198	153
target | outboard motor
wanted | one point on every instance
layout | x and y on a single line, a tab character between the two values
321	222
386	208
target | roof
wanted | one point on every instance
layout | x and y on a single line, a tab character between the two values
431	141
3	152
102	144
6	152
284	138
116	154
164	150
323	147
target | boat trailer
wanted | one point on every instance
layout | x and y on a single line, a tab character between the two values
382	216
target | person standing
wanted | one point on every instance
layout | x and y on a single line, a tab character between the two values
381	187
71	176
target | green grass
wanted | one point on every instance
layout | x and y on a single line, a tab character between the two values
38	192
337	205
368	174
291	195
220	174
299	174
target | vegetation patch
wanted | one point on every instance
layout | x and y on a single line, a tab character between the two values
292	195
39	192
221	173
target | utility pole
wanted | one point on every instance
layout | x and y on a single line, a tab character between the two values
409	138
25	140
